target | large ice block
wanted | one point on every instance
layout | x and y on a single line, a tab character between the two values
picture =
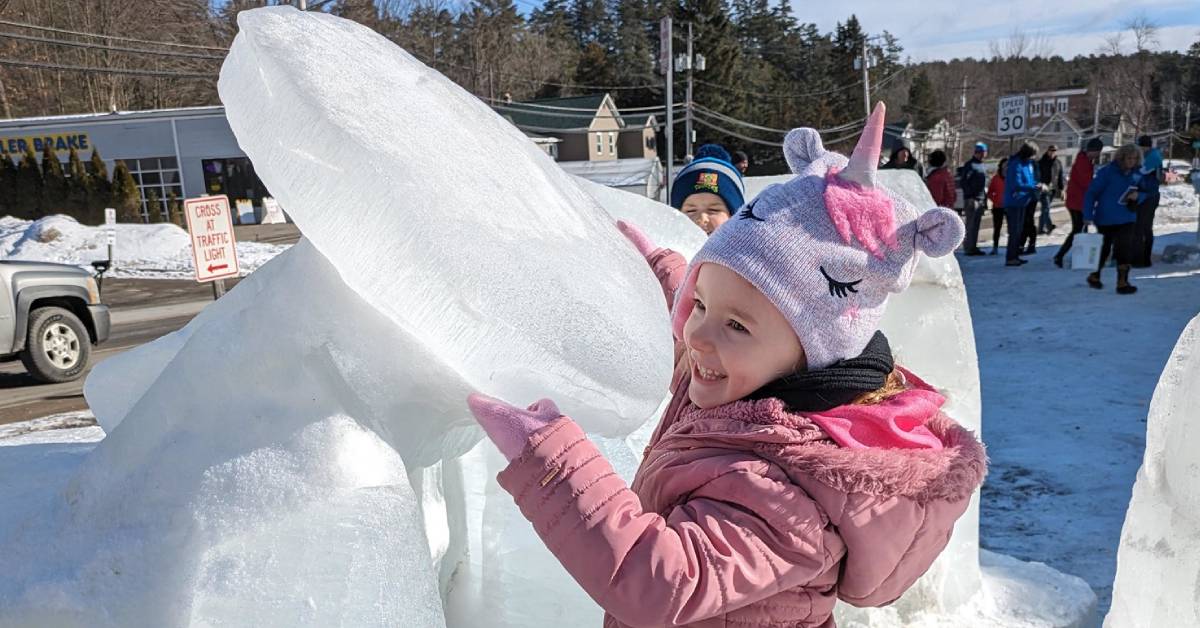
1158	563
666	226
447	219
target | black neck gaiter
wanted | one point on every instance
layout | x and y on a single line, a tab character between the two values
835	385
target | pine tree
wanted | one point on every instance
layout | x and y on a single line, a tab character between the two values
29	187
8	185
125	196
77	185
635	55
175	209
154	209
54	183
922	103
99	189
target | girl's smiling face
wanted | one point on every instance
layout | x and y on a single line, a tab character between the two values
736	339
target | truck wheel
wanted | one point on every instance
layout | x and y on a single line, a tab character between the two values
57	347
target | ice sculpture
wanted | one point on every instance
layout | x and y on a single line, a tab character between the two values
260	463
666	226
482	248
1158	564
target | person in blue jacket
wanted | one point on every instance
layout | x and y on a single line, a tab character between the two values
1111	203
1021	189
1152	174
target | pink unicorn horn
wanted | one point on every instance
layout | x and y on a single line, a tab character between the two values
865	158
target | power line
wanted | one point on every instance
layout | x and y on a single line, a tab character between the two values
732	120
658	108
720	129
80	44
112	37
80	68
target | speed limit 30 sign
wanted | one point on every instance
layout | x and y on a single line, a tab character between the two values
1010	117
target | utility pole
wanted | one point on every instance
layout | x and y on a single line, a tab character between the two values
866	79
962	120
1096	115
667	67
1171	137
687	125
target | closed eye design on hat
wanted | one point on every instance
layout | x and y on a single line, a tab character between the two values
748	212
840	288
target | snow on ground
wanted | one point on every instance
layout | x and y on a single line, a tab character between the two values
159	251
1067	373
68	427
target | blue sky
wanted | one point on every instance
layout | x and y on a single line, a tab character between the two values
943	29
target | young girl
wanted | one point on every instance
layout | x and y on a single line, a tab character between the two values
796	463
709	189
995	194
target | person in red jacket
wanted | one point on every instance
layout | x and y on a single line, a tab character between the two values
1077	185
995	195
940	181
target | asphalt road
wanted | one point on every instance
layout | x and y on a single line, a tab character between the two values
142	310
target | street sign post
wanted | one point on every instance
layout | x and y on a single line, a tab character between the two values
110	230
1011	115
214	248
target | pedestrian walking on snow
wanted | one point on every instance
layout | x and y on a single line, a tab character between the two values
1021	189
1111	202
995	196
940	182
1050	175
972	178
1077	184
1152	176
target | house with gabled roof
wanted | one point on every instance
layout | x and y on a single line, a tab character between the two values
639	139
587	126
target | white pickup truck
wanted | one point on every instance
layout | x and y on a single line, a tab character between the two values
50	316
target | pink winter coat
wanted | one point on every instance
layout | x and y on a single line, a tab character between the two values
746	514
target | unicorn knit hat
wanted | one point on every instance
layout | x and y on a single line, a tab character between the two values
828	246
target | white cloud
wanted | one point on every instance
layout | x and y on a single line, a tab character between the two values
943	29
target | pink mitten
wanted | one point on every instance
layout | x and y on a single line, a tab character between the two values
640	240
509	426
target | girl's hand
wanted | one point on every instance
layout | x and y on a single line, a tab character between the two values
640	240
509	426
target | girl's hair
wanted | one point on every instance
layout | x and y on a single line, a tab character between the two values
1001	166
893	386
937	159
1028	150
1127	151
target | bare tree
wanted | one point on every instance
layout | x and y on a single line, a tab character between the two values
1127	80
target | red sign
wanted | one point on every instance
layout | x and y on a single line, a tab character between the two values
214	249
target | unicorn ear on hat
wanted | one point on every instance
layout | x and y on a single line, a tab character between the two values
801	147
939	232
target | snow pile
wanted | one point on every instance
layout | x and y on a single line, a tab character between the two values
1178	204
156	251
1158	565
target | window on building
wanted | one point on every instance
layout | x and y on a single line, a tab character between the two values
612	143
599	143
1062	105
1048	107
1035	109
234	177
160	174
